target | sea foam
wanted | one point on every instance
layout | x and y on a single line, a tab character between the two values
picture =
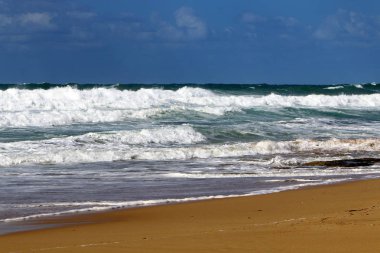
73	150
163	135
68	105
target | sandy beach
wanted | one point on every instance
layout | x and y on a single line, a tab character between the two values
334	218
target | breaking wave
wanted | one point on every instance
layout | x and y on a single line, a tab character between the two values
73	150
163	135
69	105
334	87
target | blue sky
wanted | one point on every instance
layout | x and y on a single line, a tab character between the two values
224	41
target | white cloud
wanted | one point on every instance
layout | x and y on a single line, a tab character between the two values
193	26
26	22
267	28
187	26
37	19
168	31
250	17
345	24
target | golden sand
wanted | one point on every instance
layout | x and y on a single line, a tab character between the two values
335	218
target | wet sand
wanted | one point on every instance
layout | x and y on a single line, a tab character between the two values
335	218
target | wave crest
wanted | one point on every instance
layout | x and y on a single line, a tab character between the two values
68	151
68	105
163	135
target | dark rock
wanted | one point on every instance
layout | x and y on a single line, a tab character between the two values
345	162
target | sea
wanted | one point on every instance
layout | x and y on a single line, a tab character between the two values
75	148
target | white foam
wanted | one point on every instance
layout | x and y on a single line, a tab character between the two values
68	105
275	172
334	87
164	135
69	150
106	205
208	175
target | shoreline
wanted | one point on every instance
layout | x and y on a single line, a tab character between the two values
45	221
335	218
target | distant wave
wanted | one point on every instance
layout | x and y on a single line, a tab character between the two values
334	87
174	86
69	105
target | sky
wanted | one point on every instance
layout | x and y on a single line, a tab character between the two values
184	41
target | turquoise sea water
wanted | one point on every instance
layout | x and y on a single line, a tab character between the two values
82	147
